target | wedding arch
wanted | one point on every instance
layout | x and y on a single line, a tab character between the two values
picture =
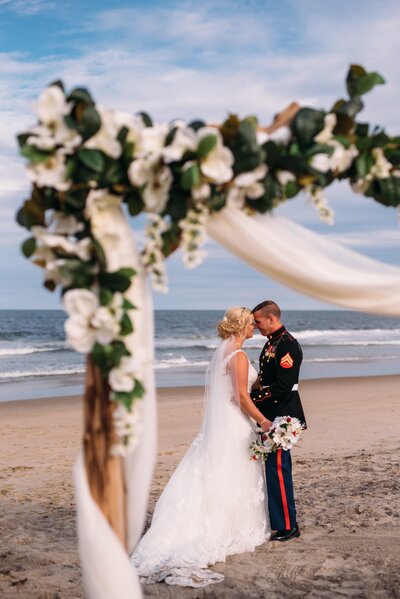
90	166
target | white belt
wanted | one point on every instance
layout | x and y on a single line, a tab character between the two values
294	388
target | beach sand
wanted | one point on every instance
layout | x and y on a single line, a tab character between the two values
346	484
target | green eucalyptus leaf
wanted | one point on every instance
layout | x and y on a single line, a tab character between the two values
34	155
105	296
76	199
363	164
113	174
387	191
190	177
59	84
274	152
123	397
350	108
196	125
122	134
49	285
362	129
119	351
138	390
127	305
359	82
28	247
170	137
127	152
126	325
117	281
306	125
171	239
70	167
134	201
31	214
230	128
146	119
292	189
92	159
80	94
206	145
343	140
23	138
79	273
89	122
217	201
101	257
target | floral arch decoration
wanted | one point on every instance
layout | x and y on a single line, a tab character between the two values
83	159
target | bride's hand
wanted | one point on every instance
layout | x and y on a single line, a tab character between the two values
266	424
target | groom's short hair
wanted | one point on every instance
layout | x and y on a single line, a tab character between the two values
268	307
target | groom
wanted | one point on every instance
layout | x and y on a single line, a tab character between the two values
276	394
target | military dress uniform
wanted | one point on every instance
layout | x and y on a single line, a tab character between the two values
278	395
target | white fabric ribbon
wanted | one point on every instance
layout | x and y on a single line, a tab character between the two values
308	262
107	571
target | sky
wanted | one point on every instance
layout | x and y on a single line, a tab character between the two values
198	60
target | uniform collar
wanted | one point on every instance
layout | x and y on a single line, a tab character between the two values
276	333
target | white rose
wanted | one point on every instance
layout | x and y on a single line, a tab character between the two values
217	165
134	124
156	192
285	177
325	135
151	141
201	192
342	158
122	377
184	140
79	334
51	172
321	162
382	167
282	135
140	171
81	248
106	325
65	224
80	304
52	106
106	137
80	301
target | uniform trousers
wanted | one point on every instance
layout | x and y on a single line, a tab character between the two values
281	506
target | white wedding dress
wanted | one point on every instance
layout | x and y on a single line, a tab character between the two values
214	504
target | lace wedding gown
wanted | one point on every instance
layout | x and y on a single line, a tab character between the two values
214	504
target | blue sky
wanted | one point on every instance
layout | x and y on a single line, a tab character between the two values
189	59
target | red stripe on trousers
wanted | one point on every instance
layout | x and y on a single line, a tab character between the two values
282	488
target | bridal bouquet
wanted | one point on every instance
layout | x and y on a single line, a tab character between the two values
283	434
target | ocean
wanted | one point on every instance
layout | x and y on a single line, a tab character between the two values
35	361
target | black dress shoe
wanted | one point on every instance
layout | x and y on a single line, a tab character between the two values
286	535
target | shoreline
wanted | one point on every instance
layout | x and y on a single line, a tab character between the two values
164	391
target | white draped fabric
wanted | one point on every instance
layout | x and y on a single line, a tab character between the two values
278	248
308	262
107	571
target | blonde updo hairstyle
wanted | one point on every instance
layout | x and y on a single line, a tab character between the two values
235	320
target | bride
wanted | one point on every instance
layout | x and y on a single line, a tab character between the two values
214	504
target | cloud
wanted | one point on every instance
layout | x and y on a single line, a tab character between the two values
204	60
28	7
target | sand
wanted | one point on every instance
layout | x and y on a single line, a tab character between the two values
346	483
